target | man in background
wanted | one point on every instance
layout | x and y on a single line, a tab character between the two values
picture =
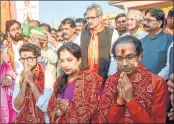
120	23
80	25
133	22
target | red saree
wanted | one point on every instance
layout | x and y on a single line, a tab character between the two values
147	106
86	98
29	112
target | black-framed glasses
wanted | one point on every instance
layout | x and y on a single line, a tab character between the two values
91	18
29	59
128	58
149	20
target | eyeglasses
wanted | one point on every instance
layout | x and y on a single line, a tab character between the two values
128	58
91	18
148	20
29	59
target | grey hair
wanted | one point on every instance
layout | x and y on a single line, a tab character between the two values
139	15
97	7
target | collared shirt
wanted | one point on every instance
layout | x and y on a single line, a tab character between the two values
76	39
43	101
155	51
139	34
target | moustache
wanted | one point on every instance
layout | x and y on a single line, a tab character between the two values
124	69
18	34
145	26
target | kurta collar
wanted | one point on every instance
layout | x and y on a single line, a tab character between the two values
156	35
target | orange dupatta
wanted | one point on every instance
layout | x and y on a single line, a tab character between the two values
93	50
11	53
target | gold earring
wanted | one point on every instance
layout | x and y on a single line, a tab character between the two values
79	66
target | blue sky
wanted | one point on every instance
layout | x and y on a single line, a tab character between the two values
54	10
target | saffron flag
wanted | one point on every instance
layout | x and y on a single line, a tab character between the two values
5	14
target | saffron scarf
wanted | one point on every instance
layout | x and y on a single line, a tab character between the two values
29	112
93	50
12	54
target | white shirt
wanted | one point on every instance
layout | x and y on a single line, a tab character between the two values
17	64
77	39
43	101
139	34
113	64
164	73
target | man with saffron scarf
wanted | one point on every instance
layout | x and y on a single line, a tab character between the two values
96	43
33	88
15	35
133	94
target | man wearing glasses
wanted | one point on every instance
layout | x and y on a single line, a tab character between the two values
96	42
133	94
156	43
33	88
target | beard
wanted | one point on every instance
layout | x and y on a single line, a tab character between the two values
17	37
32	67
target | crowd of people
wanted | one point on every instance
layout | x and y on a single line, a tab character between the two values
88	72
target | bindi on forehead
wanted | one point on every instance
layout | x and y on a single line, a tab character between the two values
123	52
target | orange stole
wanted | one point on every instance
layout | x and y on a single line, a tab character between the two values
11	53
5	14
93	50
29	112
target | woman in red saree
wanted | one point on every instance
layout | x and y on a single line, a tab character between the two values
76	92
